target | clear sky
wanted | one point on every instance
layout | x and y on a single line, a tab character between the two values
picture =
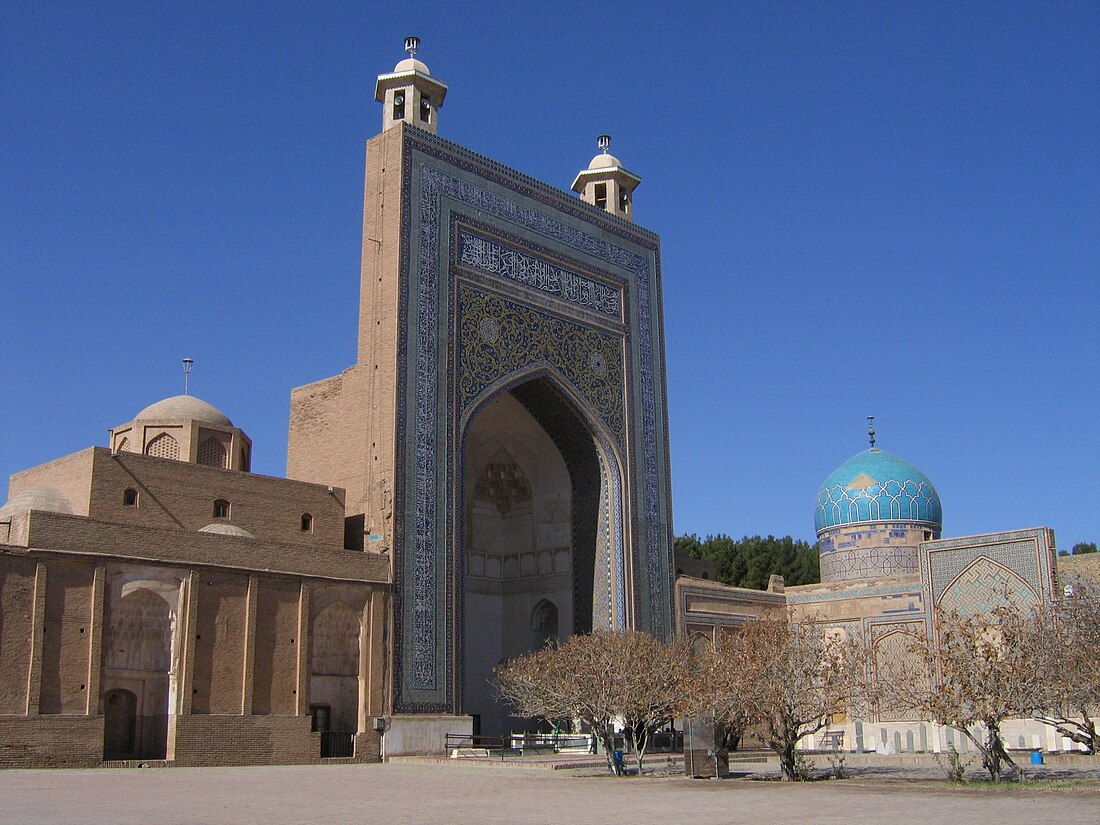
870	208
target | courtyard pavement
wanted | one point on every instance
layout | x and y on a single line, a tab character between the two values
466	793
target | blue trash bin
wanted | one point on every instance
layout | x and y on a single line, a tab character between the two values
1036	757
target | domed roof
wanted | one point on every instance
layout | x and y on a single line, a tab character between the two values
411	64
44	497
604	160
226	530
186	407
875	485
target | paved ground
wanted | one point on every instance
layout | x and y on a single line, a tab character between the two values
413	793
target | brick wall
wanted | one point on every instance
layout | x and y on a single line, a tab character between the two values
174	494
51	741
72	474
75	534
16	630
66	638
275	663
243	740
217	683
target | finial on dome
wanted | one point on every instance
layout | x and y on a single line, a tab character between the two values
604	142
412	43
871	430
187	363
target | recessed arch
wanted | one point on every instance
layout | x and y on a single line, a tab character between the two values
985	584
539	530
542	373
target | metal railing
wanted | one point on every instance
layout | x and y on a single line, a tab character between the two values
462	741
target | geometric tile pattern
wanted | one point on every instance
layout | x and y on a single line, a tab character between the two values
907	500
868	563
977	573
525	337
893	658
985	585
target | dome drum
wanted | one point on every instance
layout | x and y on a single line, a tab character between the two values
185	428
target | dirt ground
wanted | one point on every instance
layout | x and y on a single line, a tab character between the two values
469	793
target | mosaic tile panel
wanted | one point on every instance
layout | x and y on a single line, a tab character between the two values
499	338
868	563
423	553
974	573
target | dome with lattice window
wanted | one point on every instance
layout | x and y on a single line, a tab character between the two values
185	407
875	485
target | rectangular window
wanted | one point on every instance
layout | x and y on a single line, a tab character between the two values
426	109
601	195
399	106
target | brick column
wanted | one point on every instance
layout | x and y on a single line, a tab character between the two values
249	645
304	647
95	643
188	623
38	623
375	652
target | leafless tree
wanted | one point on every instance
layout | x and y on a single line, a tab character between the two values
973	672
1063	641
788	678
599	678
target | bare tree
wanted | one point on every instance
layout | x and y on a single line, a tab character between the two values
1063	641
599	678
719	689
973	672
789	678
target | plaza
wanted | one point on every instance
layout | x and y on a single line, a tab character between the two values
460	793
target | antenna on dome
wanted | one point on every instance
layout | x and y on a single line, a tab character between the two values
412	43
187	362
871	430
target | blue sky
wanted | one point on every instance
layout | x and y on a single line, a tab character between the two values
885	209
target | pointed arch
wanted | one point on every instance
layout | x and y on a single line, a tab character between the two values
985	584
164	446
541	373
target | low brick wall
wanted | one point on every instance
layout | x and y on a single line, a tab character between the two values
53	741
217	739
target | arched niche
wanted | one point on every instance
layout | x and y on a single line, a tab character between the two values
334	685
537	535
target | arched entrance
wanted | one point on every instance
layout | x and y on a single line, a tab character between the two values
537	518
138	674
334	670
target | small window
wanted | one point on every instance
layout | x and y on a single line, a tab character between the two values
624	201
426	109
601	195
399	106
307	523
130	497
221	508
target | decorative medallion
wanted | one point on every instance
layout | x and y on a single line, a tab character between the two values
489	330
597	364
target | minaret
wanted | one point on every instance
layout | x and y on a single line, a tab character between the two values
409	94
606	184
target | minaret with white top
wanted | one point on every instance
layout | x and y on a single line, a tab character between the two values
409	94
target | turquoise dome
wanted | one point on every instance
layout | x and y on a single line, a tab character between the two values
877	486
